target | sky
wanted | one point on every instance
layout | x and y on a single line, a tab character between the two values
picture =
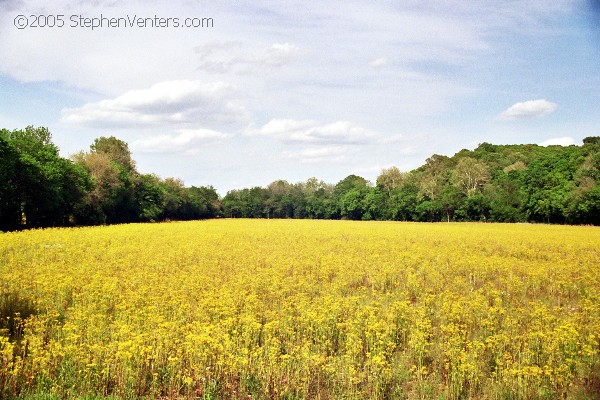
263	90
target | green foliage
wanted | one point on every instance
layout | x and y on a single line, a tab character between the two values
38	188
116	149
320	204
10	207
493	183
41	188
347	184
150	197
245	203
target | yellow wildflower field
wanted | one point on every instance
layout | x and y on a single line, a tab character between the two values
295	309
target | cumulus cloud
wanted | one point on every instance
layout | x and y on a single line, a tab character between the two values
187	141
319	154
380	62
308	131
562	141
180	102
222	57
528	109
278	54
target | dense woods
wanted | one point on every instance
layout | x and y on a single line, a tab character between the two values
496	183
38	188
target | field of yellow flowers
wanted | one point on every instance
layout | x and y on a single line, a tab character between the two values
297	309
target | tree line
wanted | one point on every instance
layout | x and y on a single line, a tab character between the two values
495	183
38	188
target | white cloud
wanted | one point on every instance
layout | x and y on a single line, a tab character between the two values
329	154
217	57
407	67
528	109
227	56
188	141
108	61
561	141
308	131
284	129
379	62
397	138
278	54
167	103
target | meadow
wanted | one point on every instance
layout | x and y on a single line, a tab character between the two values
298	309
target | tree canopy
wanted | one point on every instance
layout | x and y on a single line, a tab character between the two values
38	188
493	183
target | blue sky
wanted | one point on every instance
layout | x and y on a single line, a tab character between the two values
296	89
